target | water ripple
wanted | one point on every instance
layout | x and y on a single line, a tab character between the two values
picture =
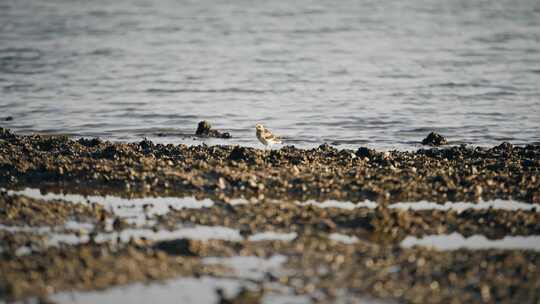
382	74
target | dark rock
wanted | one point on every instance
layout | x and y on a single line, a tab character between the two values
45	300
6	134
245	296
90	143
175	247
204	129
365	152
239	154
226	135
245	231
119	224
111	152
434	139
326	147
9	118
146	144
505	146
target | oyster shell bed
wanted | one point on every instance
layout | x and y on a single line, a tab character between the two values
271	185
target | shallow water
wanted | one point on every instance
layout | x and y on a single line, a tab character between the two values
195	233
376	73
134	207
250	267
182	290
497	204
134	210
343	238
245	269
455	241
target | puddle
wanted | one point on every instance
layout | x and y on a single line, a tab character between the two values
37	230
134	210
425	205
285	299
137	210
341	205
343	238
249	267
456	241
198	232
182	290
78	226
202	233
272	236
195	233
462	206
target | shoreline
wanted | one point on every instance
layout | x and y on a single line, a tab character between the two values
93	166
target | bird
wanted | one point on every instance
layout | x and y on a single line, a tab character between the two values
265	136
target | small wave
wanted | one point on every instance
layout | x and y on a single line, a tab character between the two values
323	30
164	116
102	52
397	76
25	61
346	141
502	37
18	88
26	54
227	90
452	85
496	94
282	14
277	61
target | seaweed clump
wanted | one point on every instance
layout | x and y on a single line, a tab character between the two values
204	129
434	139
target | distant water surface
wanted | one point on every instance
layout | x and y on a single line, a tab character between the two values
375	73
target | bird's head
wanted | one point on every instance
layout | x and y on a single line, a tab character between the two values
259	127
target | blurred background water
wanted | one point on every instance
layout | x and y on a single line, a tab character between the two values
375	73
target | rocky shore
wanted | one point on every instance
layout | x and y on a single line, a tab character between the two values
273	187
457	173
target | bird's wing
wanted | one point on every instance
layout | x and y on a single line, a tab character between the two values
269	136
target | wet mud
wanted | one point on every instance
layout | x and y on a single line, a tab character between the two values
257	192
91	266
16	210
383	223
